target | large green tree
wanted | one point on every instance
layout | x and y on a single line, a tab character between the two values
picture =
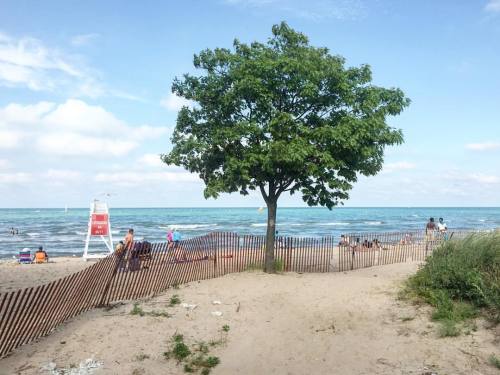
282	116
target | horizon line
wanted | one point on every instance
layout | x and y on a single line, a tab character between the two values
238	207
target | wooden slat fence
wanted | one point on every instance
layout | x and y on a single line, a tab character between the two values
361	250
31	313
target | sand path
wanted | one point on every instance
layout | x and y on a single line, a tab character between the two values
335	323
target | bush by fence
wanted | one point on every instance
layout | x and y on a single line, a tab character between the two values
31	313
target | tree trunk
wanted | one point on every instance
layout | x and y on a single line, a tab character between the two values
269	265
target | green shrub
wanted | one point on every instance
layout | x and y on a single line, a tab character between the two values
460	278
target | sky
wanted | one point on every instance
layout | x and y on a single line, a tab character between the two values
86	106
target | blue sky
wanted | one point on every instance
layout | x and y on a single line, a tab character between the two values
85	102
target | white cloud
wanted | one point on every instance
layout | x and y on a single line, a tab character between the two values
63	174
492	6
9	139
312	10
486	146
24	114
77	115
483	178
138	178
73	128
15	178
27	62
174	103
71	144
4	164
84	39
150	160
398	166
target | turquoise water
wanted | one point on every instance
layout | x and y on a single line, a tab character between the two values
64	233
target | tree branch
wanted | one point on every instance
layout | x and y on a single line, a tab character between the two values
263	192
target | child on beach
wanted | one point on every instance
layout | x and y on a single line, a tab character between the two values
170	239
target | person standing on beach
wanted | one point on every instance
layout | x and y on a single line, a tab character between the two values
430	228
442	228
176	237
129	239
170	239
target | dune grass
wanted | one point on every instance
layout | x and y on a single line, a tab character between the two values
461	280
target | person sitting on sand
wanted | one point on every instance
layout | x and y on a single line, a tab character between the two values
406	240
119	248
343	240
41	256
356	245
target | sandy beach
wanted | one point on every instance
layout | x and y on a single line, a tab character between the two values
333	323
15	276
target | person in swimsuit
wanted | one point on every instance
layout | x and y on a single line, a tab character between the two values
129	239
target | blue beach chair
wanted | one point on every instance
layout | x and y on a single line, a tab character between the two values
24	256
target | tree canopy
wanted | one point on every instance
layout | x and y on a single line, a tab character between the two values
282	116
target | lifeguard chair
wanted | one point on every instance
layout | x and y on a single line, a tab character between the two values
99	230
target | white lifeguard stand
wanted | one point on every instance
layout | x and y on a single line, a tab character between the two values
99	230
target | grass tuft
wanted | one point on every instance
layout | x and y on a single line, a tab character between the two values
180	351
494	361
137	310
254	267
195	359
448	328
141	357
174	300
279	265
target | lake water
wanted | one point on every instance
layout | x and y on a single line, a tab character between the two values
64	233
